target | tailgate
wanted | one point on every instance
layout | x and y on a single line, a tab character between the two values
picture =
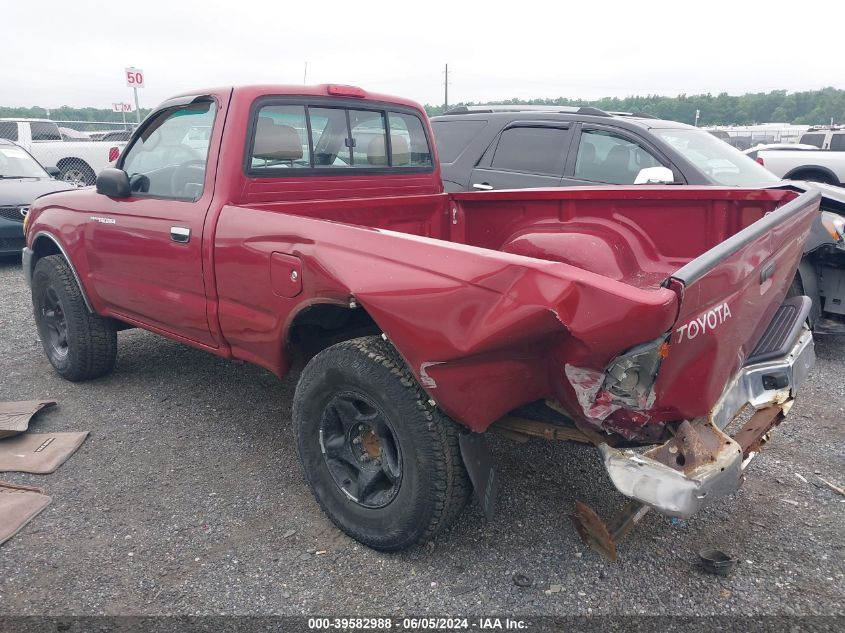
728	296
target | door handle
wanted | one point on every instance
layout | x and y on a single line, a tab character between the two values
484	186
180	234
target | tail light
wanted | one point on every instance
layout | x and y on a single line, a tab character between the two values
759	159
114	152
630	378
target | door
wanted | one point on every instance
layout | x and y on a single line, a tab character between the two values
610	157
144	251
526	154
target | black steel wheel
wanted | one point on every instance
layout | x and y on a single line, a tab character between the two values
79	344
55	323
361	450
382	460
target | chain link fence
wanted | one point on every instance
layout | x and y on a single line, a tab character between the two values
73	151
746	137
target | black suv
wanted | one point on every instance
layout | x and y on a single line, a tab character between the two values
513	147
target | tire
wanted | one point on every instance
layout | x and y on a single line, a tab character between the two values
360	388
80	345
77	172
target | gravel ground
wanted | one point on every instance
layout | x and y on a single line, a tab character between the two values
188	499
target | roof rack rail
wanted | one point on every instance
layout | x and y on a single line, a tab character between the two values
639	115
490	109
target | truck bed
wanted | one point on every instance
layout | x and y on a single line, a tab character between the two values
491	298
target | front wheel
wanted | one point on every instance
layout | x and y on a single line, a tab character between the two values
383	462
80	345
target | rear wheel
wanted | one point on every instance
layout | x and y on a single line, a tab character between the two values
77	173
80	345
383	462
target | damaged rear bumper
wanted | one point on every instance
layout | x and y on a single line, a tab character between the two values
701	462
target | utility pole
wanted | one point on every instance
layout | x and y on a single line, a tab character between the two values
446	93
305	74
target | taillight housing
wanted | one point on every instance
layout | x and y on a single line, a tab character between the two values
630	377
114	153
760	160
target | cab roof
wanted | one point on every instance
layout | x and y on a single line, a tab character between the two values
343	91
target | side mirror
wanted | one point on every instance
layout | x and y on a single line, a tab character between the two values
655	176
113	183
53	171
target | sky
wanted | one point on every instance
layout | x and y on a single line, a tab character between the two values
74	52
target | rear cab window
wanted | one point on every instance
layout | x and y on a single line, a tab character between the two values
319	136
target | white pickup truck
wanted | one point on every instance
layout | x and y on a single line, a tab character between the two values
78	162
825	164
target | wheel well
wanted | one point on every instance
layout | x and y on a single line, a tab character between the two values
71	162
806	172
43	247
322	325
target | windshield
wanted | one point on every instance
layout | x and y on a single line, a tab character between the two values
16	163
724	164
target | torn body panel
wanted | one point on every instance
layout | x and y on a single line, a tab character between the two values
701	462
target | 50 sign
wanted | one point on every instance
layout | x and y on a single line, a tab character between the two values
134	77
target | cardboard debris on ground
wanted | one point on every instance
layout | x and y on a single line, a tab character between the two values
15	416
18	506
38	453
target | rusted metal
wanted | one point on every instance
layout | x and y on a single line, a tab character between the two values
603	537
754	434
692	446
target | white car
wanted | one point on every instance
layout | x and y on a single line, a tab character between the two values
751	152
802	162
79	162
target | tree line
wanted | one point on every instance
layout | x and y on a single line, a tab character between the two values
811	107
778	106
66	113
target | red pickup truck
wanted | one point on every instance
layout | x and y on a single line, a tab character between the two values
270	223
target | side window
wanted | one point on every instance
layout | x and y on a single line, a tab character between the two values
837	142
607	158
9	130
281	138
167	159
536	150
408	144
43	131
453	137
368	144
812	139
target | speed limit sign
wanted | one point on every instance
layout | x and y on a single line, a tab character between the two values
134	77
